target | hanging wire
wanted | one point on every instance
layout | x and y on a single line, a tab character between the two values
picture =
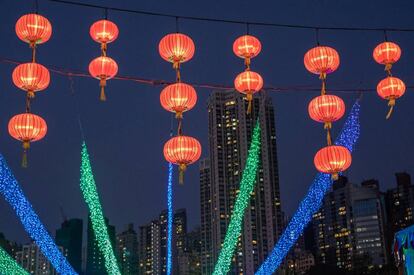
256	23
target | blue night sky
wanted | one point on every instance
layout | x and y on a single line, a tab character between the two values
125	135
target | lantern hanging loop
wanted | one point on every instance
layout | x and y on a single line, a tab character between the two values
322	77
328	126
177	29
247	28
28	101
317	36
36	4
385	36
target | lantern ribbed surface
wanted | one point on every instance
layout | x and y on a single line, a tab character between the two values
391	87
176	48
247	46
178	97
248	82
182	150
387	53
33	28
321	59
332	159
27	127
31	77
326	108
103	67
104	31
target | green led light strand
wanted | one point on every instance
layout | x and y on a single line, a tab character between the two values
90	194
9	266
242	201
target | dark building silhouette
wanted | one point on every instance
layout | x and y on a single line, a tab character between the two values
69	237
127	250
95	264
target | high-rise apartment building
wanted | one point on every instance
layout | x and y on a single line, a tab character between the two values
69	237
230	133
127	251
33	260
95	263
349	227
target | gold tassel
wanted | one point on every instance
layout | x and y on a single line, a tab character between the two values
388	68
26	146
180	128
33	46
181	170
328	127
322	77
176	67
103	49
391	103
334	176
249	101
102	83
247	63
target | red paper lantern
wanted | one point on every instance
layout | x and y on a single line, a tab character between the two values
27	128
33	29
182	151
247	47
178	98
176	48
103	68
31	77
333	160
326	108
387	53
104	31
321	60
391	88
248	82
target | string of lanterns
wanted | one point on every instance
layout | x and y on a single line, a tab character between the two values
103	67
30	77
332	159
178	98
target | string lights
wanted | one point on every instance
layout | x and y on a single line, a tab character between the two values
242	201
8	265
30	77
90	194
13	194
169	218
313	199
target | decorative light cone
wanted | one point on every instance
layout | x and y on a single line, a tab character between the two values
249	83
332	160
33	29
321	60
247	47
31	77
103	68
27	128
182	151
391	88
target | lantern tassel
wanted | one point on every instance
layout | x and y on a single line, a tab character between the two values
328	126
249	105
26	146
334	176
388	69
247	63
322	77
181	170
391	103
103	49
102	83
33	46
176	67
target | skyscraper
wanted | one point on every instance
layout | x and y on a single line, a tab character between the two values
33	260
349	227
230	133
127	251
95	264
69	236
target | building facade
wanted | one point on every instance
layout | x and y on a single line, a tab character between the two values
69	237
127	251
33	261
230	133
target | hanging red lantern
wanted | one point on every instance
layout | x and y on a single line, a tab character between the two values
321	60
182	151
176	48
27	128
333	160
248	82
104	32
178	98
31	77
33	29
103	68
387	53
391	88
247	47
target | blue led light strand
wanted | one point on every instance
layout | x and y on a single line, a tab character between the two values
13	194
9	266
91	196
169	218
313	200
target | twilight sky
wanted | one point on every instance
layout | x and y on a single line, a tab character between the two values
125	135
